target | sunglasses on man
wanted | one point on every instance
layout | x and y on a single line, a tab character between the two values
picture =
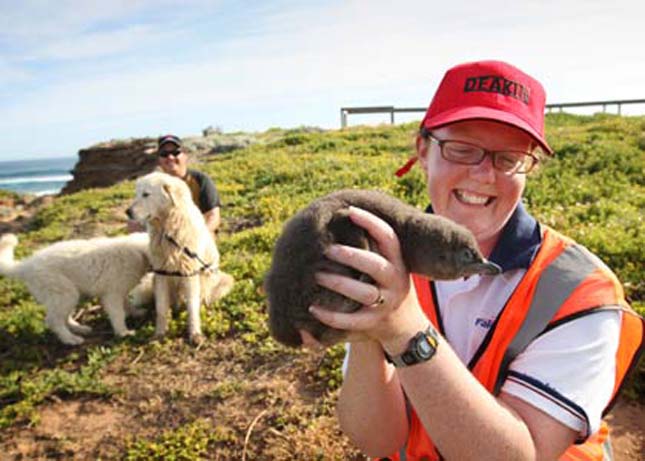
167	153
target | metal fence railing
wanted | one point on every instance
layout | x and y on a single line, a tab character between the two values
346	111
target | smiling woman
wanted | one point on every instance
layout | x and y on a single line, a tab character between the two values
524	363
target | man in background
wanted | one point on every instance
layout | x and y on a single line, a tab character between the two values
173	160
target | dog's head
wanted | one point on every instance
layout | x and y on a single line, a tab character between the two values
156	194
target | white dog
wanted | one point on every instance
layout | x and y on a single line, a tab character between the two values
58	275
183	251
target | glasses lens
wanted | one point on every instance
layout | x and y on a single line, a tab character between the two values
509	162
460	152
166	153
513	162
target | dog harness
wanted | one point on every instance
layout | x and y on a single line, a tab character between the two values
191	254
564	282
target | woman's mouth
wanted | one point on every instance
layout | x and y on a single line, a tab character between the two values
471	198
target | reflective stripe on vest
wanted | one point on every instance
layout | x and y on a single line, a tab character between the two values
554	287
565	281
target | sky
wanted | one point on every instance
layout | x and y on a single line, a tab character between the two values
77	72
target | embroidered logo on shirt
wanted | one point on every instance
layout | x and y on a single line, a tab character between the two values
484	323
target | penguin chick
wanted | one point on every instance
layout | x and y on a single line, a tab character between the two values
430	245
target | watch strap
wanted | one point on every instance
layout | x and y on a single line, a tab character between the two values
421	348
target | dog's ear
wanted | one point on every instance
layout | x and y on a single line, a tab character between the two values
168	190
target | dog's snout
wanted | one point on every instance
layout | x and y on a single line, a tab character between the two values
130	213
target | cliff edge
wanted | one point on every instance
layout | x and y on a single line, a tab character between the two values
108	163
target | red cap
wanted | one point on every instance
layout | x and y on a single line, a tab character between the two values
489	90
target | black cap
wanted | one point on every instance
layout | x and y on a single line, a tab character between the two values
169	138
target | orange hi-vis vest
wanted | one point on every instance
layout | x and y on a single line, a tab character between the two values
564	282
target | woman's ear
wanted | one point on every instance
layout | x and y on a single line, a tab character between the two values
422	151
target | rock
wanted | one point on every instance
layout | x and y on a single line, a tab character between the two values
16	212
108	163
209	130
217	143
7	202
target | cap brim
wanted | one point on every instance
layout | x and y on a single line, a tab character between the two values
486	113
170	141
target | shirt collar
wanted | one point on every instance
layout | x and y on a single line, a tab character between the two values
520	240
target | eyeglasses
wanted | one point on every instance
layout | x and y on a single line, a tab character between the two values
167	153
507	161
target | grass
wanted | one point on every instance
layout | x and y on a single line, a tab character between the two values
242	393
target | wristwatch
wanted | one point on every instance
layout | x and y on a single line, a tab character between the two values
421	348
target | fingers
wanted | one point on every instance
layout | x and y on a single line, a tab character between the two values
381	232
364	293
365	261
382	266
361	320
380	300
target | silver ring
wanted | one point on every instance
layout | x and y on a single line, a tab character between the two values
379	299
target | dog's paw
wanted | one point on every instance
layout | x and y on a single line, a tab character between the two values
73	340
124	333
196	339
158	337
80	329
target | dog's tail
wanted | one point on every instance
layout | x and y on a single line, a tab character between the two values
7	244
222	286
143	294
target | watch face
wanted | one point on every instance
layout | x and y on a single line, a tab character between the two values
424	348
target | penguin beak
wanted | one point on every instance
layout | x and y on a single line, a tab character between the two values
485	267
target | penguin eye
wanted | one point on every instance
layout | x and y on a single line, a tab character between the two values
467	254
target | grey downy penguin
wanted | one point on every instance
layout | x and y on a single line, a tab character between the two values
431	245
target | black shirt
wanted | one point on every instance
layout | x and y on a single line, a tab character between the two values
203	190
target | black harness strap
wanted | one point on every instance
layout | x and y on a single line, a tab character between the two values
205	266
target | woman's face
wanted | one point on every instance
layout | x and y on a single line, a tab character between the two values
476	196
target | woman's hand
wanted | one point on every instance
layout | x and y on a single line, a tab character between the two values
399	313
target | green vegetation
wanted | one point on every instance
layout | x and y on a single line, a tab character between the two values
71	377
593	191
186	443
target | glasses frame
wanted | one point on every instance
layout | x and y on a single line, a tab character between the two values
484	152
167	153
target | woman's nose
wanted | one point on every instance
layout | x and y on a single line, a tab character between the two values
484	171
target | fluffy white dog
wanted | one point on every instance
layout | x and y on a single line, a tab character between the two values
58	275
183	251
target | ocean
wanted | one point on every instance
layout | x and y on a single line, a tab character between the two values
36	176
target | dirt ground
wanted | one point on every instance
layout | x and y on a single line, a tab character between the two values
65	425
627	423
269	410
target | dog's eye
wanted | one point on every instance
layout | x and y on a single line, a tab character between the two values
145	194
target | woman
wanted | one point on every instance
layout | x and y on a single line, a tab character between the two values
520	365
